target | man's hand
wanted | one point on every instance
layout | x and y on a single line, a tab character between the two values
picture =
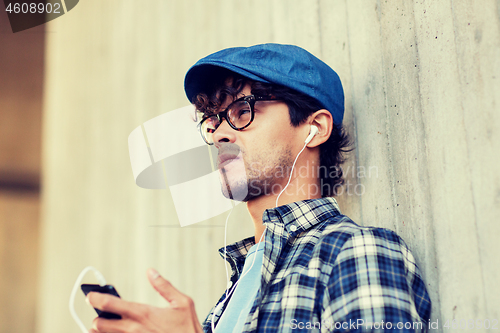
179	316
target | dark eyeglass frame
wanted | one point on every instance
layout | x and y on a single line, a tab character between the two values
250	99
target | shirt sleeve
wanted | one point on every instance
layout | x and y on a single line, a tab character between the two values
375	286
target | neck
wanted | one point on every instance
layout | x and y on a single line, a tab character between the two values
297	190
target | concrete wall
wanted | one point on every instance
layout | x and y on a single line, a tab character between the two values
422	84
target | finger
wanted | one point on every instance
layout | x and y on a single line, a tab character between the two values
92	330
113	304
162	286
111	325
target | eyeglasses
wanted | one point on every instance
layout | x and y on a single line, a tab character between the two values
239	115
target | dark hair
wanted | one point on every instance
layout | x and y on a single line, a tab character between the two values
226	84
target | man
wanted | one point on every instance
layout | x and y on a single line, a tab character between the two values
274	111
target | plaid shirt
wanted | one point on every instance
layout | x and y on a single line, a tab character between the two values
322	272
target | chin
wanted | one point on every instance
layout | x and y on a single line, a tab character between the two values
234	189
243	190
237	193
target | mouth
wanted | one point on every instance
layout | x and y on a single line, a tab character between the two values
225	159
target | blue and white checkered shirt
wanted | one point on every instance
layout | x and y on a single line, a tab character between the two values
322	272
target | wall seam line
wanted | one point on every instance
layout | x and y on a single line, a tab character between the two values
436	310
355	128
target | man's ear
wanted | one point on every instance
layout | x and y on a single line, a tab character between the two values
323	120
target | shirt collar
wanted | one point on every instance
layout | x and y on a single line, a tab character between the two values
237	252
302	215
296	217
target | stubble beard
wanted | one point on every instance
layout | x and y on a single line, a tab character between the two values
266	176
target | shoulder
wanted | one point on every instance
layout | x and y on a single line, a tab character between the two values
340	238
338	244
368	263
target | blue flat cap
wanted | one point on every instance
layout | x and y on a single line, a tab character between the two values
286	65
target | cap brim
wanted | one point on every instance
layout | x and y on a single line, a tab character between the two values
198	77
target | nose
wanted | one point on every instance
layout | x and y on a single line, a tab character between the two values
224	133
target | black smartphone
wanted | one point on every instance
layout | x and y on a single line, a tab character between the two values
107	289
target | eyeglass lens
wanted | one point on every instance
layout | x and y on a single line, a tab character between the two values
239	115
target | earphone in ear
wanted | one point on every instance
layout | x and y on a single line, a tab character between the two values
312	132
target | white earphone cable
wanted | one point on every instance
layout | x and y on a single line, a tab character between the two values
291	173
225	252
102	282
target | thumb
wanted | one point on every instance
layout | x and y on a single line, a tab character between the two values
162	286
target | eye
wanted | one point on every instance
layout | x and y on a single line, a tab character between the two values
239	110
240	113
